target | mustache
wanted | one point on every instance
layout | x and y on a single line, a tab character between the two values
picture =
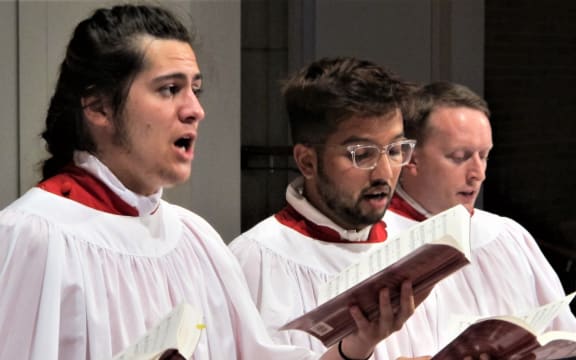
378	186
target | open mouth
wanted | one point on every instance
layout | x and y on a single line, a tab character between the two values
377	193
376	196
184	143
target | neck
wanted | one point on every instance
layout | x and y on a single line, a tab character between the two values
301	204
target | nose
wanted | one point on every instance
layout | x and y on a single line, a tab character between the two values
383	169
190	109
477	169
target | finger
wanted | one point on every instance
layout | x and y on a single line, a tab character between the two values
407	295
359	318
407	305
386	310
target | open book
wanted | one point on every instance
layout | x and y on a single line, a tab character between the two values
512	337
425	254
174	337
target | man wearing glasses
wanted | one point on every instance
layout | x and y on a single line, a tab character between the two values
349	146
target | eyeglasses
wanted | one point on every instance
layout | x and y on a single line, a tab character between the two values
367	156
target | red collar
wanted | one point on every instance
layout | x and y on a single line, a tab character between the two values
294	220
79	185
402	207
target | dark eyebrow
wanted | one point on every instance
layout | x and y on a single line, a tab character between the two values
356	139
177	76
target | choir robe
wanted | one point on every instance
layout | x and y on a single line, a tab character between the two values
508	273
285	262
287	256
87	267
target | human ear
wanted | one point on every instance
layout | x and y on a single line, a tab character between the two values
95	110
306	160
412	167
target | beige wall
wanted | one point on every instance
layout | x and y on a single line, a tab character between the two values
8	103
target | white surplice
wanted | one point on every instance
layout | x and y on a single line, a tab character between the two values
78	283
508	273
284	268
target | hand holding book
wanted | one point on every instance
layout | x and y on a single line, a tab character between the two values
371	331
424	255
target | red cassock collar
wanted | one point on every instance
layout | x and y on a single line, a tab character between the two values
79	185
402	207
294	220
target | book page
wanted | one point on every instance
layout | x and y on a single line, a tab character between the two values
451	226
179	330
536	320
513	337
541	317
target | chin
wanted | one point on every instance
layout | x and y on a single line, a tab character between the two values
180	180
469	207
182	174
176	178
